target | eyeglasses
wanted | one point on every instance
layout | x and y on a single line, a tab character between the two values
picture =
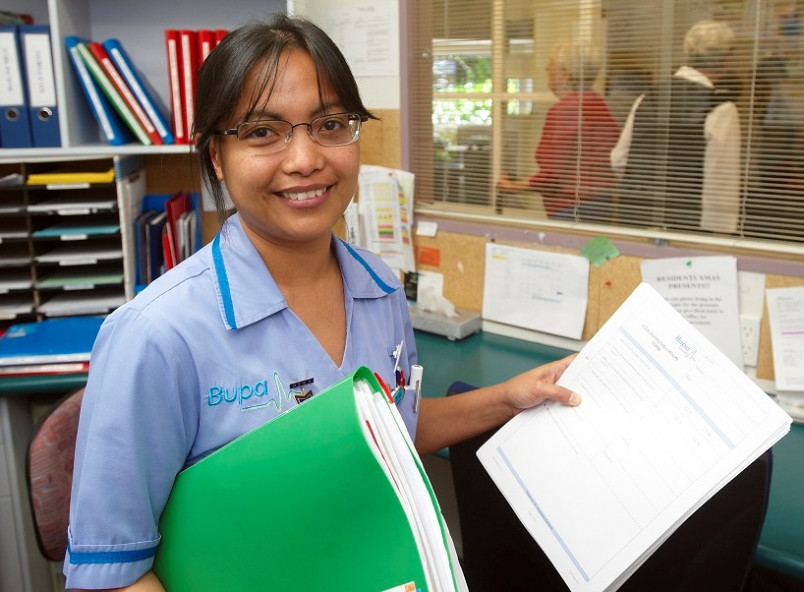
272	135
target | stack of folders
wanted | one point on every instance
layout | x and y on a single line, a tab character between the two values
334	483
166	232
186	51
29	116
123	104
8	17
52	346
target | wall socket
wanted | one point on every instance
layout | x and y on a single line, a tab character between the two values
750	331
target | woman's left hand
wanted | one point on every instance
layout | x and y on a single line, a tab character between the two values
443	421
535	386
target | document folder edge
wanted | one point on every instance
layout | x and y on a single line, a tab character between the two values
136	83
112	128
333	515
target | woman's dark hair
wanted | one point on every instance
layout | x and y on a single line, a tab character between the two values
259	45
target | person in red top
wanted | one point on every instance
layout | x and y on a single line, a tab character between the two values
575	178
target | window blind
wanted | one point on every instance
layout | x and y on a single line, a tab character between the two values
517	108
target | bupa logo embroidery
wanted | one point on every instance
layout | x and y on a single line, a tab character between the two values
252	396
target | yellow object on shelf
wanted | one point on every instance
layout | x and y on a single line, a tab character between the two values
71	177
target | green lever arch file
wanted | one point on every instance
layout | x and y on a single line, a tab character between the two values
310	501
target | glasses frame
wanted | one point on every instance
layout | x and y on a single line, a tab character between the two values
360	119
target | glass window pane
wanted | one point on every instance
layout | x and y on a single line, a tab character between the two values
487	96
461	66
462	135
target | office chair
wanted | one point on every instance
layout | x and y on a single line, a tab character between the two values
49	471
711	551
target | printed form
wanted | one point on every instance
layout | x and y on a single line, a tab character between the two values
786	312
786	315
537	290
666	420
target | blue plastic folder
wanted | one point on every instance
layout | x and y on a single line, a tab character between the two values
43	111
304	502
55	340
139	88
112	127
15	128
111	93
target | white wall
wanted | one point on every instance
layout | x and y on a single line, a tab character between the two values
346	21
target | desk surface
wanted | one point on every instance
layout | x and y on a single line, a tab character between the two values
41	383
487	358
781	543
481	359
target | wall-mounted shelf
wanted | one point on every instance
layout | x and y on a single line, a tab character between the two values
66	248
85	152
140	27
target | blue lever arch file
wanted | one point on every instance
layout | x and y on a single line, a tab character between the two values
43	111
15	129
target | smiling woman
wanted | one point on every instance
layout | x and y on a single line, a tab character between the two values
288	193
275	301
259	62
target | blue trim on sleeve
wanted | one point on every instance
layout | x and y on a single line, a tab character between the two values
94	557
383	286
223	281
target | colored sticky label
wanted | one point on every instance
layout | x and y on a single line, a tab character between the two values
599	250
428	256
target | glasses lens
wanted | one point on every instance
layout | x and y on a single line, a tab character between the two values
338	129
266	135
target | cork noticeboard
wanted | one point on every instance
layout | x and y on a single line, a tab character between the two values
379	139
461	260
462	263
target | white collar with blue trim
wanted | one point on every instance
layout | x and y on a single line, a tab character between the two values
247	292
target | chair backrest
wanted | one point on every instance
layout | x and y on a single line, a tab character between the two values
711	550
49	470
